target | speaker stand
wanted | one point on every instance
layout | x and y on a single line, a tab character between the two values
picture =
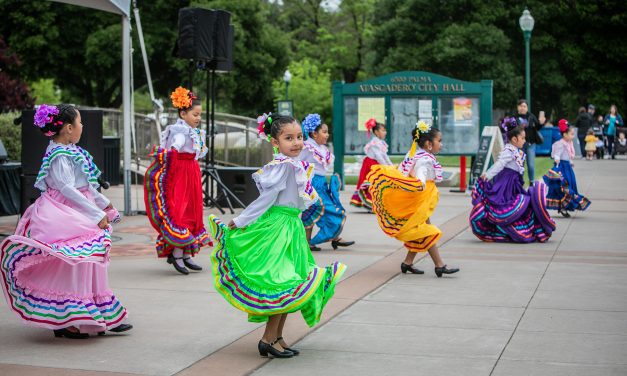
209	173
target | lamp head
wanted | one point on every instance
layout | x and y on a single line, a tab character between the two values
526	21
287	76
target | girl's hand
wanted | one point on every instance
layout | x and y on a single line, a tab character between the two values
484	177
110	206
231	224
104	222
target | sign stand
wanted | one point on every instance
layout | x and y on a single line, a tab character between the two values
490	145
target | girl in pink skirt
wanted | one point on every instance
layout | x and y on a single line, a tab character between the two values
54	268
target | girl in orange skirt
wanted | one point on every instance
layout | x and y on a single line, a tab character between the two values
403	199
173	188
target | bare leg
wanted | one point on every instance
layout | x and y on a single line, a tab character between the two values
272	327
308	232
409	258
434	252
279	333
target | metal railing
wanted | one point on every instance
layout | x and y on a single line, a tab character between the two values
236	142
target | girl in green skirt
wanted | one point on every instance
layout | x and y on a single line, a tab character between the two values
262	264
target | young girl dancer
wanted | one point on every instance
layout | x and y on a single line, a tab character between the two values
405	198
376	151
563	195
262	264
173	188
502	210
54	269
327	213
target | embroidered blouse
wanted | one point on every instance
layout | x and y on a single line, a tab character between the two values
422	166
284	182
68	168
562	151
377	149
317	155
510	157
184	139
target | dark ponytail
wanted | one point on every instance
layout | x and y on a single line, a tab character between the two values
274	123
424	137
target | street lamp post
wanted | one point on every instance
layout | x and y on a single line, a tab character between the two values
526	25
287	77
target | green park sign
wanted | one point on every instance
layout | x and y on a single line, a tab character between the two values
460	109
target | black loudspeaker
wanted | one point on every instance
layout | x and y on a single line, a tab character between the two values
240	181
203	34
227	65
34	143
28	192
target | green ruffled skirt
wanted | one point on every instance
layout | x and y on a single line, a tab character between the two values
267	268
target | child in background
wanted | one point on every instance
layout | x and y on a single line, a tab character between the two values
327	213
262	264
376	151
173	187
563	195
591	144
503	211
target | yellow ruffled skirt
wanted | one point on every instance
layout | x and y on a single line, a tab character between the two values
403	207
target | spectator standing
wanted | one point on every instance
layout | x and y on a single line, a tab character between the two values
612	121
583	123
532	127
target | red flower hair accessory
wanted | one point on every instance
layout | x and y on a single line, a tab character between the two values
370	124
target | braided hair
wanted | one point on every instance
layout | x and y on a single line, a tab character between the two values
274	123
67	114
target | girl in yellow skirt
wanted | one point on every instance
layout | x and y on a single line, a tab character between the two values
404	199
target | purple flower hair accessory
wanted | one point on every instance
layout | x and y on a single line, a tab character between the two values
44	115
508	124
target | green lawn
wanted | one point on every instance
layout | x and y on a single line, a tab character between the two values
543	164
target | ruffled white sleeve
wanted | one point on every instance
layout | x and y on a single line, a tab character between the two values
61	177
556	151
271	180
421	170
505	157
178	141
101	200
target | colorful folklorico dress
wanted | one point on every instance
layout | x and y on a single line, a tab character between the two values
54	268
327	212
405	198
173	190
503	211
563	193
376	153
264	266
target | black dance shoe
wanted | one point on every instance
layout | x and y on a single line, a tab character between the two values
191	265
313	248
410	268
180	269
564	213
118	329
69	334
445	270
294	351
266	349
339	243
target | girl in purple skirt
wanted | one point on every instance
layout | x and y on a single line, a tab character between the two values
503	211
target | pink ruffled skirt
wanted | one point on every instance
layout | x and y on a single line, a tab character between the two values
54	269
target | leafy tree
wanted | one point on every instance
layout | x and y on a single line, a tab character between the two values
45	91
310	89
13	91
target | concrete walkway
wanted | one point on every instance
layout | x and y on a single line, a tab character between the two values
558	308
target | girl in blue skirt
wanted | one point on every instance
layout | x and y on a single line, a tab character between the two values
327	213
563	195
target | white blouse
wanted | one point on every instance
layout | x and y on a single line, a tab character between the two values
317	155
67	175
184	139
422	166
510	157
377	149
283	182
562	151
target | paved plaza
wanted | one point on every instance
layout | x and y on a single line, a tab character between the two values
558	308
